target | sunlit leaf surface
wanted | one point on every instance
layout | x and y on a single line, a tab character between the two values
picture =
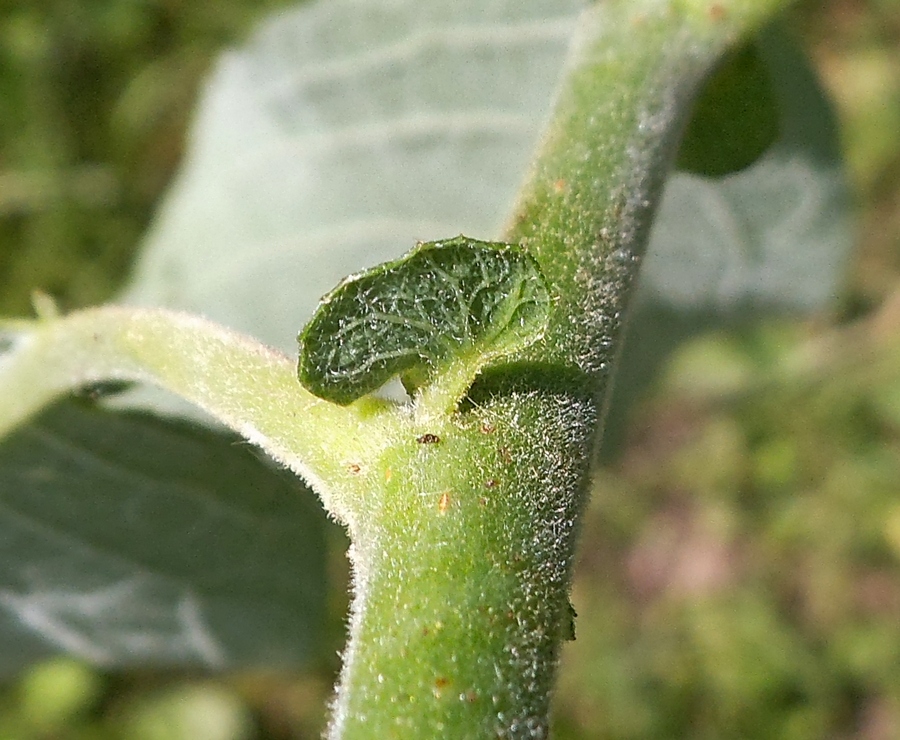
455	301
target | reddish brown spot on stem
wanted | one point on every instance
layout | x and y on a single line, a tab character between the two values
444	502
717	12
354	468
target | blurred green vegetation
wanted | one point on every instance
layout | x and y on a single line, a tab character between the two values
94	101
740	573
741	565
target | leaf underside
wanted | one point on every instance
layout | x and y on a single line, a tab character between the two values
444	301
130	540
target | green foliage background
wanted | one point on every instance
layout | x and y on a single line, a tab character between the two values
740	573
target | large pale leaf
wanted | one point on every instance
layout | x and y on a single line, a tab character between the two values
340	136
133	541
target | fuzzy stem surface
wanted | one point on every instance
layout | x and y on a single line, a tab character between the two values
464	552
245	385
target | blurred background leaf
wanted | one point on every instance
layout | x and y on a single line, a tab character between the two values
138	542
341	135
94	99
735	118
772	238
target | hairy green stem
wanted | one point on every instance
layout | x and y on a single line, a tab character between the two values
464	551
586	210
461	565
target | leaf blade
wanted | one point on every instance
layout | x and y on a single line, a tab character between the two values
359	127
459	302
157	552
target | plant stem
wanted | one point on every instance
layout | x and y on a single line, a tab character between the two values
464	547
246	386
586	211
461	564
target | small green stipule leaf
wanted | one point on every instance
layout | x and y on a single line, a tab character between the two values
442	311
